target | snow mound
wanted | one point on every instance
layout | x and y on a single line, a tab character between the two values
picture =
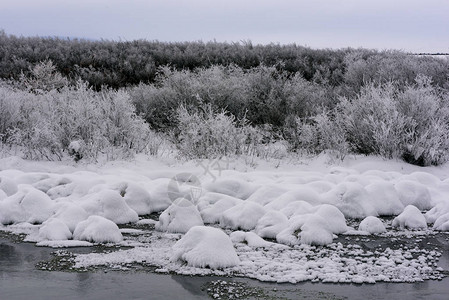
232	187
297	208
310	229
179	217
335	220
206	247
315	232
250	238
160	199
37	206
212	214
372	225
137	198
352	199
271	224
410	218
413	193
302	193
442	223
97	229
8	186
70	214
54	230
109	204
267	194
242	216
385	198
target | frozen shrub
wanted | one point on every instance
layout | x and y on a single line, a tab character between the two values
372	121
320	133
207	134
43	77
45	124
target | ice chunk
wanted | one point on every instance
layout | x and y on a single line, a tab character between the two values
97	229
410	218
205	247
179	217
372	225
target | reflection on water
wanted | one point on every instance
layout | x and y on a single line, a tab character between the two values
21	280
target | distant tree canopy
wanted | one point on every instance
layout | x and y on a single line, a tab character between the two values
119	64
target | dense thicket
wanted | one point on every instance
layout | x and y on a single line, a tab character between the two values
124	63
215	99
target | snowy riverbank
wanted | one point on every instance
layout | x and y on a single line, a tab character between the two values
278	221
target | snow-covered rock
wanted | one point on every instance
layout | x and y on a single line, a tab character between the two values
37	205
237	188
70	214
54	229
372	225
250	238
413	193
242	216
137	198
206	247
410	218
179	217
315	232
97	229
109	204
352	199
8	186
442	223
271	224
385	198
212	206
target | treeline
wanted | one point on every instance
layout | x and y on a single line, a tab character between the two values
215	99
118	64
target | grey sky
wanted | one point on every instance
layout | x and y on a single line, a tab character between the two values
417	26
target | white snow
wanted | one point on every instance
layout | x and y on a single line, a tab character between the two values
179	217
108	204
301	207
97	229
372	225
410	218
242	216
206	247
54	229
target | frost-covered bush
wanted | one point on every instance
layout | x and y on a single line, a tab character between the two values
208	134
410	122
319	133
73	119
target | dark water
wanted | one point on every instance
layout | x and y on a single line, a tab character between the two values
19	279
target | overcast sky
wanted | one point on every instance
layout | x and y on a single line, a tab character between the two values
412	25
